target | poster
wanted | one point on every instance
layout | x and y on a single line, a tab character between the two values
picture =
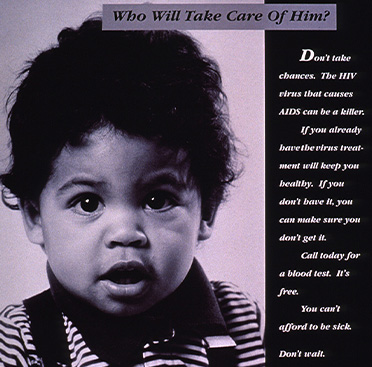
295	230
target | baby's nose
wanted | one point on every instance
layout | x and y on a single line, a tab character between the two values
125	229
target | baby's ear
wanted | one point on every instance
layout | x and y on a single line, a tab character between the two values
206	226
32	221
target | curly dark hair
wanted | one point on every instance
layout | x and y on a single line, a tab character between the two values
155	84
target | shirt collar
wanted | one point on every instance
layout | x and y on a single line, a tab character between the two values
193	306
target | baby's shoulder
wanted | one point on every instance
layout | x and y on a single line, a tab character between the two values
244	322
15	314
230	296
15	336
241	312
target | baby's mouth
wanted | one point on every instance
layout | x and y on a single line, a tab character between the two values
127	280
125	276
126	273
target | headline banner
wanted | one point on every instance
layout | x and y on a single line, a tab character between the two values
219	16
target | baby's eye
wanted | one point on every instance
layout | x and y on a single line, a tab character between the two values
159	201
87	204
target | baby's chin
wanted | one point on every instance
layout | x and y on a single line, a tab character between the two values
129	306
124	310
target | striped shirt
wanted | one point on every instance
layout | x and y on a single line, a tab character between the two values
240	311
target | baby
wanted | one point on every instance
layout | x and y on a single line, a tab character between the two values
121	155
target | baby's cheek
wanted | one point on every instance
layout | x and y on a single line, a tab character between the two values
180	247
181	220
177	237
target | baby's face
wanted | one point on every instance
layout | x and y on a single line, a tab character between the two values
119	222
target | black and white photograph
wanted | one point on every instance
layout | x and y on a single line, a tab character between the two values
132	221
